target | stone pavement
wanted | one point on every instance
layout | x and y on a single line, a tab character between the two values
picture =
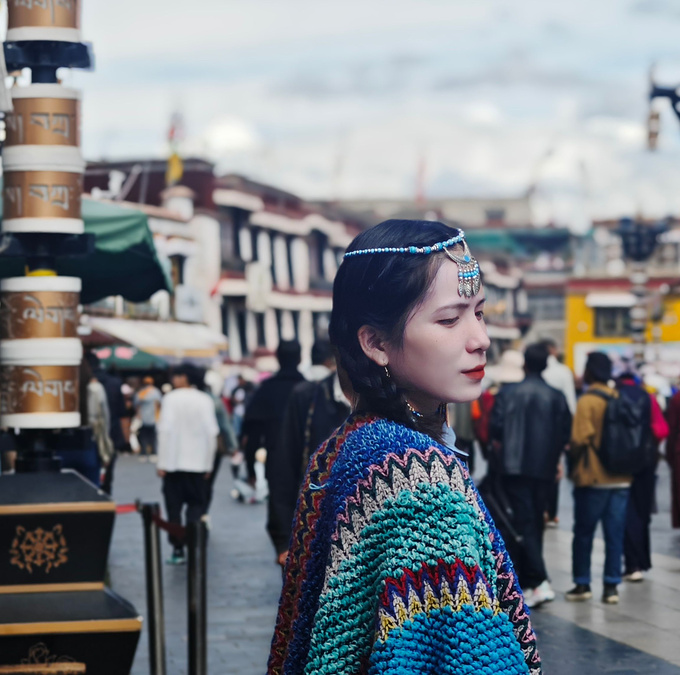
641	635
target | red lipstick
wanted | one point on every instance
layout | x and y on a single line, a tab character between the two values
475	373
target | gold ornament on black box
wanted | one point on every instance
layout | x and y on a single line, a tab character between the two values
38	548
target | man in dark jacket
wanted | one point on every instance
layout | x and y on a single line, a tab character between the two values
315	410
530	427
265	411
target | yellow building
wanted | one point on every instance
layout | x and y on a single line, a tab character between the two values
598	319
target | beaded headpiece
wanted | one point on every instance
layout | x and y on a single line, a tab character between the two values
469	281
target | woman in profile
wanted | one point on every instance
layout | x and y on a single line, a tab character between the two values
395	566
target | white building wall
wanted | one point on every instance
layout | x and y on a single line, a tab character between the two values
281	270
300	254
271	329
203	269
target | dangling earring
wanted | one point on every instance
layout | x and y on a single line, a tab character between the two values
387	372
413	411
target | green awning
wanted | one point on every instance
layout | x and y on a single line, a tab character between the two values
124	262
129	358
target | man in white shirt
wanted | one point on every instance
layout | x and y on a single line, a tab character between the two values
559	377
187	442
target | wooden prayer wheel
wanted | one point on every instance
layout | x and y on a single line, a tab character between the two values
57	20
43	114
39	307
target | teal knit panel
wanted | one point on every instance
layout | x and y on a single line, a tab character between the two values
442	642
431	524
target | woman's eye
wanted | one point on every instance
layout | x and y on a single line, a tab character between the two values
480	315
448	322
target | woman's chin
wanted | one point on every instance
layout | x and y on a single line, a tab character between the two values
469	391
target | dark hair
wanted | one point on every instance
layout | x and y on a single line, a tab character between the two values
288	353
381	290
183	369
322	351
599	367
536	358
92	359
549	343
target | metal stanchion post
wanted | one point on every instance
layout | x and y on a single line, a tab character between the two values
196	598
154	589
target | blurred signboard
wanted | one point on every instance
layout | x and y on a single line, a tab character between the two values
188	304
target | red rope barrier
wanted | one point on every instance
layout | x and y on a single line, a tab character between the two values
175	529
126	508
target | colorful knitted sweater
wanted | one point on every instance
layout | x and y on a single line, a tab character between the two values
395	566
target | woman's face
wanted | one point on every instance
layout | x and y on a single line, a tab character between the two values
443	353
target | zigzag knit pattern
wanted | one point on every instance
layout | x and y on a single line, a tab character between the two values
396	567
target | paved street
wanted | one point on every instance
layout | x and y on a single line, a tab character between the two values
638	636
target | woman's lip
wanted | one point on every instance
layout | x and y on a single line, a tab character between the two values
475	374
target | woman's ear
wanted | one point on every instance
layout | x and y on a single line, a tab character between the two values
373	344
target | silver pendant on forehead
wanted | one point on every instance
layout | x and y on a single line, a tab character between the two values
469	279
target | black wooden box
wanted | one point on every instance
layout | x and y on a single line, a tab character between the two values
55	530
94	630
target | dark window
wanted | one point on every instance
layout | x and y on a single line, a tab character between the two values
241	320
495	215
289	247
226	239
253	242
612	322
546	307
177	269
259	325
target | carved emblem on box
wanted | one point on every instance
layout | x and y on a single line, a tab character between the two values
41	662
38	548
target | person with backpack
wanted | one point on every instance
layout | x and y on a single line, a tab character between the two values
636	544
607	433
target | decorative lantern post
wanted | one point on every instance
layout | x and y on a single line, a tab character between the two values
639	241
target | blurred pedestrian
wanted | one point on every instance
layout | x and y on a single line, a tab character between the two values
599	496
395	565
315	410
560	377
637	553
94	412
187	442
673	456
147	402
113	385
264	418
530	427
240	397
226	441
509	370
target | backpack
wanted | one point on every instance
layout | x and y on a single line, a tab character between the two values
626	431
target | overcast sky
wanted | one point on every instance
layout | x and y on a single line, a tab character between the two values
346	98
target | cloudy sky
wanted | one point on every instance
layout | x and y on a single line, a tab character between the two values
347	98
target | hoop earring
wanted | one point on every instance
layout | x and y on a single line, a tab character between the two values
387	372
